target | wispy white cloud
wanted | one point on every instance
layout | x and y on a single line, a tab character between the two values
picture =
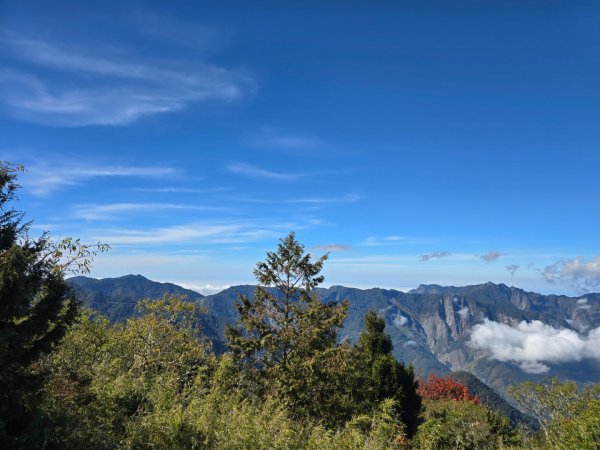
309	201
394	238
258	172
110	89
580	273
43	179
112	210
348	198
375	241
534	345
333	247
284	141
199	233
437	255
182	190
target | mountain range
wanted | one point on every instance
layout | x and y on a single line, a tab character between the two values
502	335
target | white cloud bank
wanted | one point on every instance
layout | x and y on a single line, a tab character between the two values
534	345
579	272
205	289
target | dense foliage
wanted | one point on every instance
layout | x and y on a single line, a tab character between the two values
490	398
454	418
379	376
460	424
151	383
36	307
569	417
116	298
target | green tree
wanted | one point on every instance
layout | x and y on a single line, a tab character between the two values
452	424
286	336
381	376
36	307
568	416
129	385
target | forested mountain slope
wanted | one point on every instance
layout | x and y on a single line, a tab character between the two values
431	326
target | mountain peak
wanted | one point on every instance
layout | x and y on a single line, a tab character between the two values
117	297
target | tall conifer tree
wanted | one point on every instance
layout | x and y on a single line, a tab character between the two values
287	336
382	376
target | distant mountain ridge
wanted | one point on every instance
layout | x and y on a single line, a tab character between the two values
430	326
116	297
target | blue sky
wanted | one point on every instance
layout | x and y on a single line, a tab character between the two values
419	142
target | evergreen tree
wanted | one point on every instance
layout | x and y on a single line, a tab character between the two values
380	376
36	307
286	335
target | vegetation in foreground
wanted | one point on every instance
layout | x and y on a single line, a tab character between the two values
69	378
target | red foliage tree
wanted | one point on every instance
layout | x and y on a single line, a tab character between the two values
439	388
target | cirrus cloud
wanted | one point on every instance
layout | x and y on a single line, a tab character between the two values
115	88
252	171
333	247
284	141
44	178
113	210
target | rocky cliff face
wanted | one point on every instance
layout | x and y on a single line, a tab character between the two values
436	335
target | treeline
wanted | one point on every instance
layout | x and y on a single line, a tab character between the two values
71	379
